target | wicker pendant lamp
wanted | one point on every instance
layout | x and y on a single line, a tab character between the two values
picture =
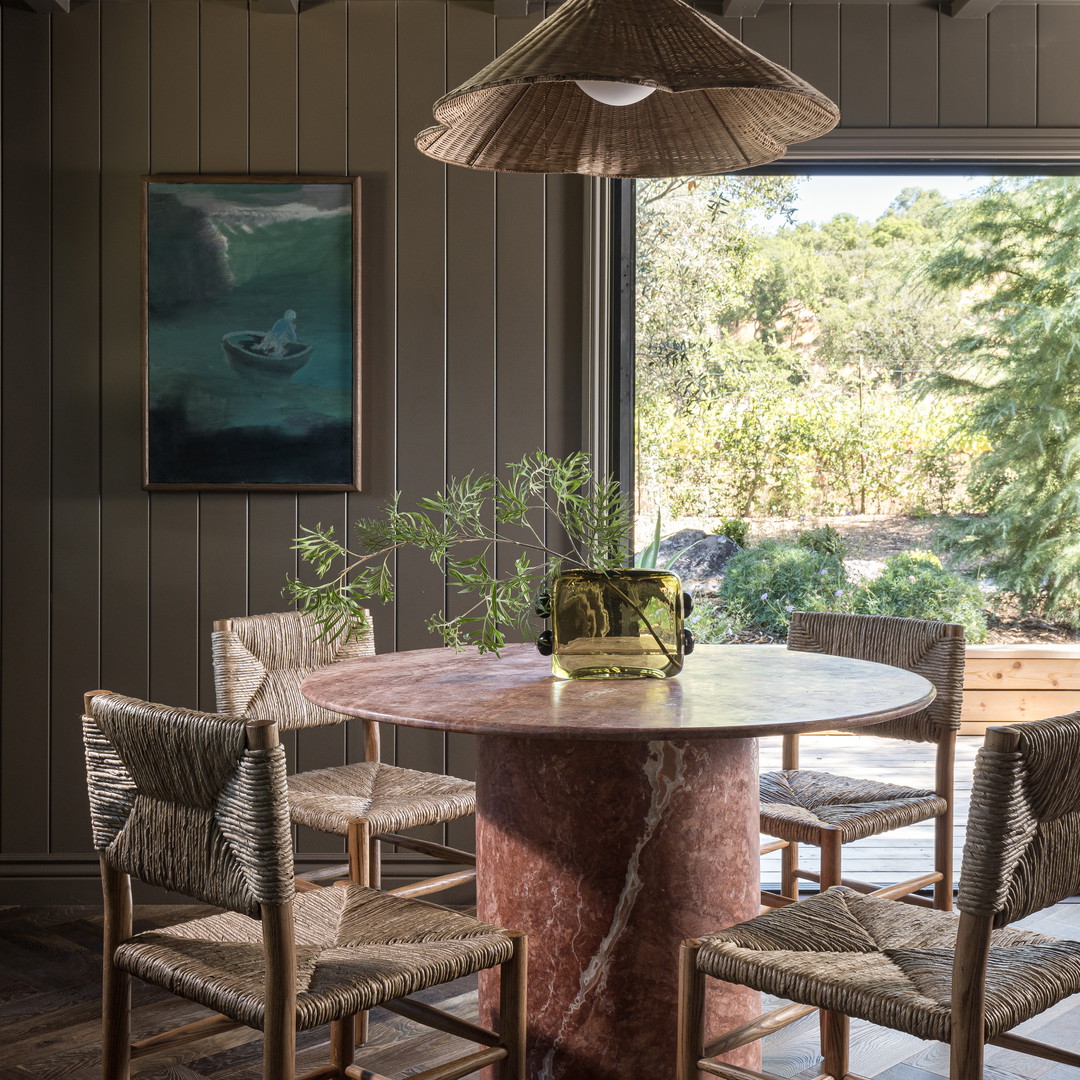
718	106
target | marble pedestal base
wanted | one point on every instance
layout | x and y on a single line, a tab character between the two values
609	854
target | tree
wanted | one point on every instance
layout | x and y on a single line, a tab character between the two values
697	256
1018	255
860	282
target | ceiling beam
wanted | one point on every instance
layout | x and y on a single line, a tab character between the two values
968	9
278	7
745	9
48	7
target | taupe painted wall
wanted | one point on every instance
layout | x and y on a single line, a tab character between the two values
471	349
907	65
472	320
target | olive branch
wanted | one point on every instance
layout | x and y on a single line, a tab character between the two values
461	529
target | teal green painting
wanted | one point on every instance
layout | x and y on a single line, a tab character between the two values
251	362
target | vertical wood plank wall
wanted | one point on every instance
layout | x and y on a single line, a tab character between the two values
472	323
106	585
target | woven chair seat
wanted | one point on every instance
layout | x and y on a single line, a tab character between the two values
888	963
796	803
355	947
388	798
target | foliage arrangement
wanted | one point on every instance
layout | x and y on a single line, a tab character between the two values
764	584
461	529
1019	366
916	585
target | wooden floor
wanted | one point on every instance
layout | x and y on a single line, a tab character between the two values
49	1028
50	975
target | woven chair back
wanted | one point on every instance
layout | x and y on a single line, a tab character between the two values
260	661
178	799
1022	851
934	650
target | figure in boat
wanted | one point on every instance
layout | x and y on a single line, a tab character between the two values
280	335
267	355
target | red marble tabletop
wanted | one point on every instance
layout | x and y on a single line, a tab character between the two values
724	691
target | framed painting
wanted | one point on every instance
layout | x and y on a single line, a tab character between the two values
251	333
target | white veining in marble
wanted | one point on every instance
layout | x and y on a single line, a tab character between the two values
665	771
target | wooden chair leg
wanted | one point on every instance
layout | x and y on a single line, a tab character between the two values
363	852
279	1018
358	841
374	864
834	1043
342	1043
834	1026
944	785
513	979
691	1020
830	858
943	861
966	1046
789	863
116	984
115	1023
966	1064
279	1051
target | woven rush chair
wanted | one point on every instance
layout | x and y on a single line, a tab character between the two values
815	807
963	978
259	663
197	803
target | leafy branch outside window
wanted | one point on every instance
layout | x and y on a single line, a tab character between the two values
461	529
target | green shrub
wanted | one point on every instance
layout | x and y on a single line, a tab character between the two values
735	529
825	540
915	584
764	584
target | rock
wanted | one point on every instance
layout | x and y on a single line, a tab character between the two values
702	567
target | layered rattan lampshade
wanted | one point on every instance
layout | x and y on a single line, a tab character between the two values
718	106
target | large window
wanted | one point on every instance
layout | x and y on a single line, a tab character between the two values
780	321
898	354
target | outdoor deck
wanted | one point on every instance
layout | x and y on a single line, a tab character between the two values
898	855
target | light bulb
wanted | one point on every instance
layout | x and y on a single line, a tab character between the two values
615	93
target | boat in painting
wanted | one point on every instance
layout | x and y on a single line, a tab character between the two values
246	357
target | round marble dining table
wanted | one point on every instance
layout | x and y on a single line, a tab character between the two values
616	817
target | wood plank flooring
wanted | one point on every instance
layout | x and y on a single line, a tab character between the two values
49	1017
50	974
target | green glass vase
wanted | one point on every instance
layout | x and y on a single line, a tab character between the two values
617	624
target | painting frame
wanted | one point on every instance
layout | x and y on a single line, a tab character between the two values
179	436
